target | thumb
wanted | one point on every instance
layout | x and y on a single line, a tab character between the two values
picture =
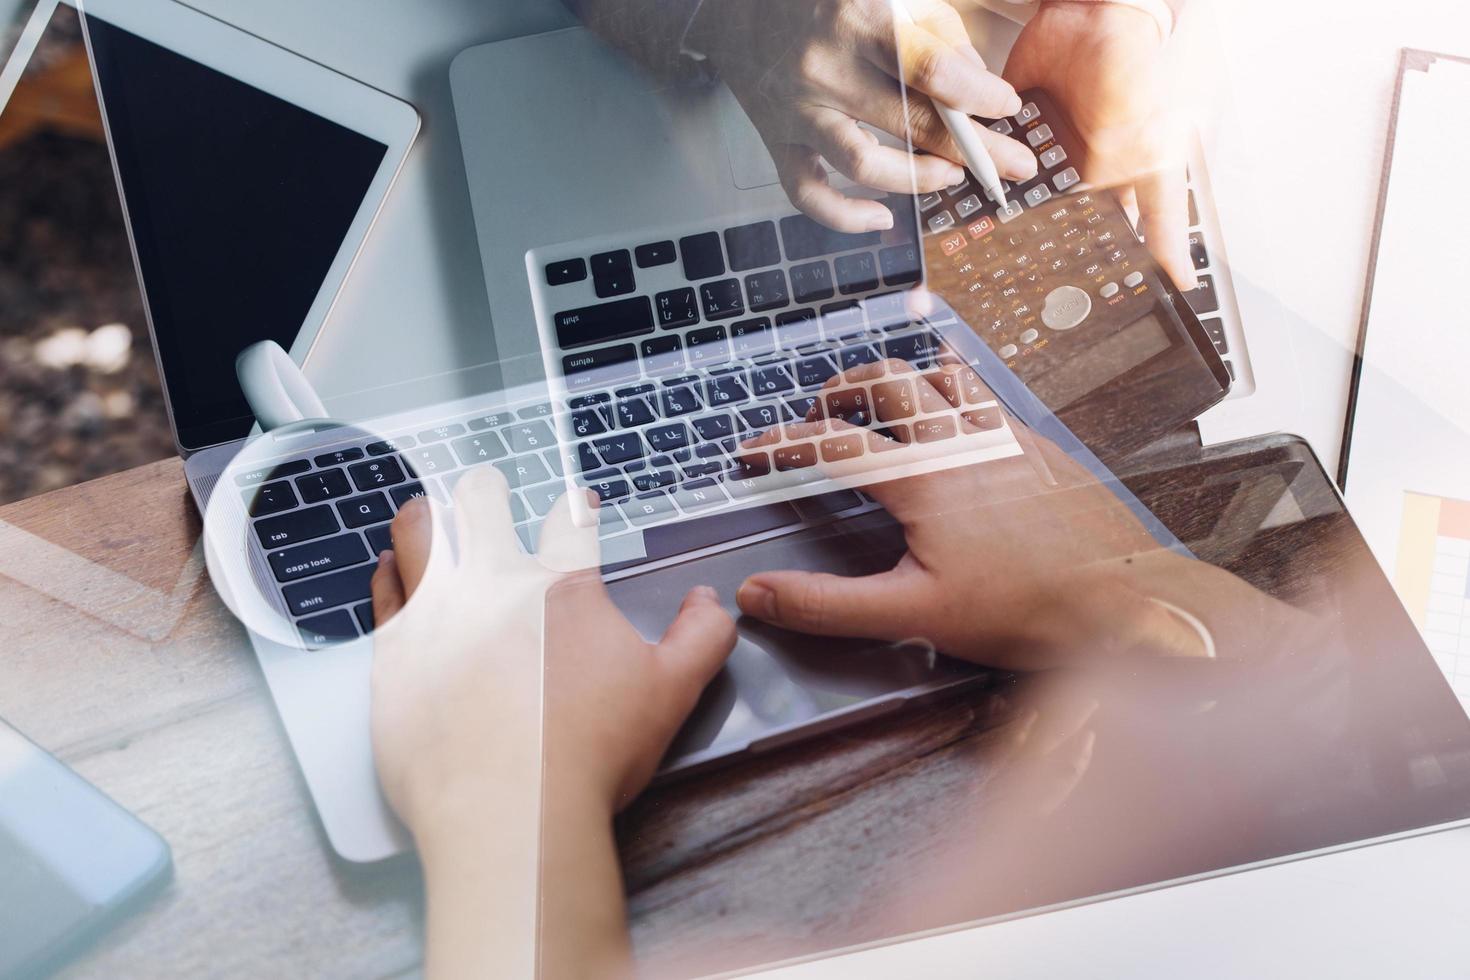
697	642
879	607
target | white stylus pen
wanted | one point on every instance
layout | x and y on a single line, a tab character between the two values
962	128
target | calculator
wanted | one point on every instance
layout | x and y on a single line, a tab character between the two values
1062	289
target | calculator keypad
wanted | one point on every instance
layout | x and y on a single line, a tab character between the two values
1056	271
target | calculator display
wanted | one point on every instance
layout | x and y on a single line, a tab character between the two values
1112	357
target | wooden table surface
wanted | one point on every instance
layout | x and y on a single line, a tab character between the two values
116	656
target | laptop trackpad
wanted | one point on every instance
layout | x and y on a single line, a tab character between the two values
775	679
750	162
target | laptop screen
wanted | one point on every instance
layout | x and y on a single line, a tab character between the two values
238	203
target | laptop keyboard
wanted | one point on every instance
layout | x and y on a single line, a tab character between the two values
702	342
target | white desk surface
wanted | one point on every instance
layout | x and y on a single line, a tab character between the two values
1315	79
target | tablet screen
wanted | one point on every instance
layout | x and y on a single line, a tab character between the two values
238	203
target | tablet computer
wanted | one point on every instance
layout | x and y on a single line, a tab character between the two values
250	178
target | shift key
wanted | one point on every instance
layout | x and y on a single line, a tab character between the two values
336	589
607	321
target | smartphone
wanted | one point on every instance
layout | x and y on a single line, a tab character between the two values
71	860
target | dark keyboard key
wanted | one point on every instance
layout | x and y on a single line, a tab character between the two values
714	427
607	321
899	264
1202	299
619	448
856	273
483	448
380	539
270	499
662	355
799	457
806	239
805	408
377	473
328	628
667	438
265	473
1216	330
767	290
751	338
316	487
326	591
326	555
370	508
524	470
721	299
825	505
364	614
843	319
848	445
762	417
601	367
725	389
303	525
748	465
752	246
678	401
387	446
798	327
658	480
812	372
770	379
491	421
1197	251
887	312
633	412
676	308
702	256
409	491
656	253
857	356
440	433
935	429
587	460
428	460
528	436
851	405
610	488
612	273
893	400
984	419
706	346
812	282
648	508
916	348
338	458
568	270
588	422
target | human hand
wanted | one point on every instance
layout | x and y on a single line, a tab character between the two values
1108	68
458	664
1002	568
807	72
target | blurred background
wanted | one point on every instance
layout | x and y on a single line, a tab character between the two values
79	390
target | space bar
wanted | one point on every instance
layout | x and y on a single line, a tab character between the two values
668	540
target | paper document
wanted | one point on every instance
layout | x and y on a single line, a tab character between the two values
1407	453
